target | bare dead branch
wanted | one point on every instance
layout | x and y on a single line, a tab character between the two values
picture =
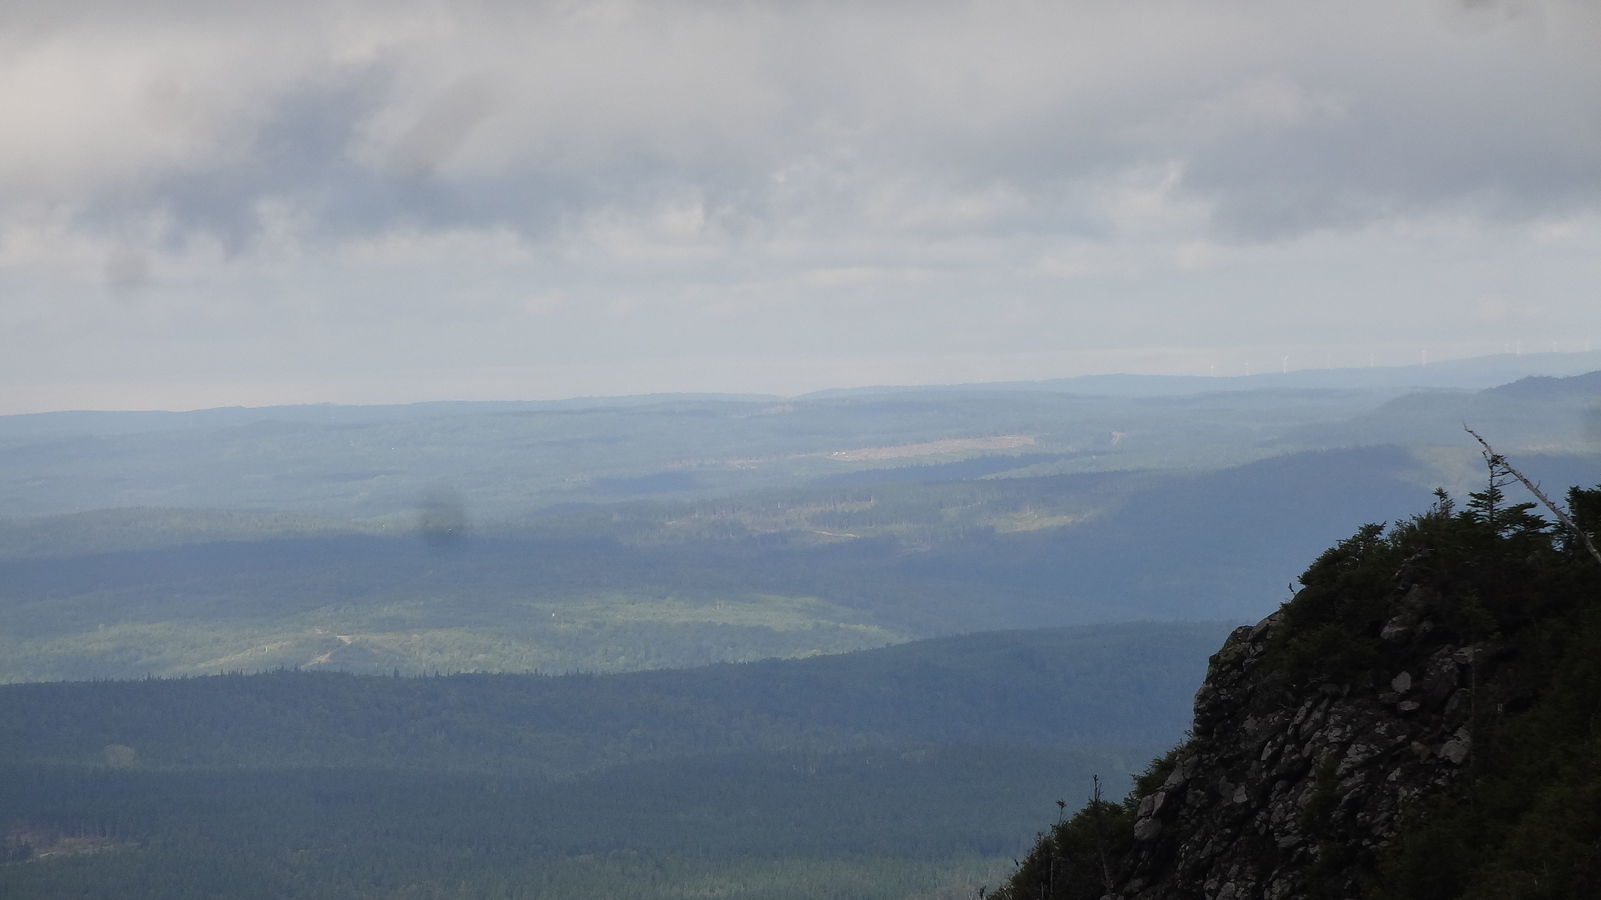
1562	517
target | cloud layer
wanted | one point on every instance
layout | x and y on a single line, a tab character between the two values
673	193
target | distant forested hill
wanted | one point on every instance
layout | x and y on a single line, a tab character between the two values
662	532
501	462
869	774
854	568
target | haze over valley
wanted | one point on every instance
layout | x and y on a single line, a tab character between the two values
986	595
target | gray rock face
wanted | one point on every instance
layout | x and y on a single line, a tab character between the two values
1274	777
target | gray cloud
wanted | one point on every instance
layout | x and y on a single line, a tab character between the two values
506	115
486	183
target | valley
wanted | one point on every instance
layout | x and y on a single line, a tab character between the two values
855	644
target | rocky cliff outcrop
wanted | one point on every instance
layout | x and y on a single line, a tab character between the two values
1419	722
1283	793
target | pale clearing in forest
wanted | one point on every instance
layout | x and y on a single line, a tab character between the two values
932	448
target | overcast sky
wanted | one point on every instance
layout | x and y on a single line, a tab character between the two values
209	204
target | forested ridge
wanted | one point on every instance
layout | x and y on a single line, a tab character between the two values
866	774
663	532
